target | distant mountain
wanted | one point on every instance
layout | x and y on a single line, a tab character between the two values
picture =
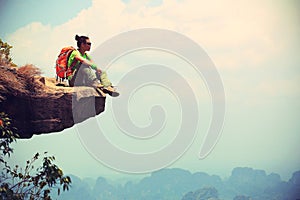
78	190
260	186
179	184
241	197
294	186
104	190
209	193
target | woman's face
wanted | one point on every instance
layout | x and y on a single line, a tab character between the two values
87	45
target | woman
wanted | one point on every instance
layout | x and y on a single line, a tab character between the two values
85	72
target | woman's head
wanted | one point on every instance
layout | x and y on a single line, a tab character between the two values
83	42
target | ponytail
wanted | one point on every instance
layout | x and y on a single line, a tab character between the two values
80	40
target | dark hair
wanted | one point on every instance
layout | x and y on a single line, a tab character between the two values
80	40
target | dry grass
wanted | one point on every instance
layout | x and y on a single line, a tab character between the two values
18	81
29	71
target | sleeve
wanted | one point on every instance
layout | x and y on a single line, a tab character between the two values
93	66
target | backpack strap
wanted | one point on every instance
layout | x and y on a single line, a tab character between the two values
70	68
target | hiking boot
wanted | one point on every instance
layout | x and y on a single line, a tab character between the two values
100	91
111	91
99	88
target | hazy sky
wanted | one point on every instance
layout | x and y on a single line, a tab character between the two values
254	45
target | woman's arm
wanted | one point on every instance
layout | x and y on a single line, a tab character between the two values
85	61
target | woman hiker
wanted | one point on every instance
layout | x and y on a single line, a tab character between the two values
85	72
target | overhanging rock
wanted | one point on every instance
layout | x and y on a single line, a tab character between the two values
52	110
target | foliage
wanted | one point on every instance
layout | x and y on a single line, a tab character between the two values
209	193
26	74
5	54
27	183
17	81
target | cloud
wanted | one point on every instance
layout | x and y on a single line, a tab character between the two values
280	88
249	41
236	35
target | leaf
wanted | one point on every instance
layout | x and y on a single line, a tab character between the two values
20	175
36	156
65	187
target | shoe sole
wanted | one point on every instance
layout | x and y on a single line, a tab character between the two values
113	94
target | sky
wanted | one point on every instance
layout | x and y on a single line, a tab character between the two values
253	45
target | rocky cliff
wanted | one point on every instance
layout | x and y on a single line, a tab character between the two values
37	105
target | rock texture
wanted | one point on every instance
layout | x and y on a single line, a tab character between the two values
45	107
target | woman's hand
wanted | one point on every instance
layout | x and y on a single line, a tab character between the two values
99	71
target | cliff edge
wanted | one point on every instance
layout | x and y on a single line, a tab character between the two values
37	105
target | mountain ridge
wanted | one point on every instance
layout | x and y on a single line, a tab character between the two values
175	183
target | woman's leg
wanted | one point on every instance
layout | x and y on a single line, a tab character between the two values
107	85
84	76
89	76
104	79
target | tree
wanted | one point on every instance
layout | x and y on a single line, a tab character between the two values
21	183
29	182
206	193
5	58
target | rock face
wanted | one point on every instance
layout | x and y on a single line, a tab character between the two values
49	108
